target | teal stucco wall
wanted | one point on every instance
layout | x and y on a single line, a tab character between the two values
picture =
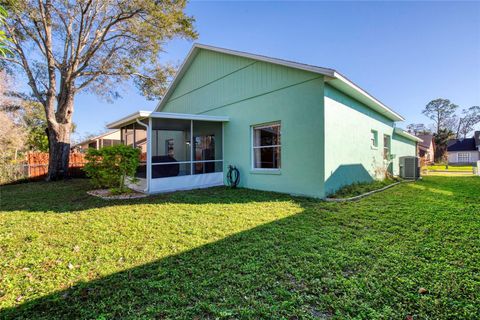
402	147
326	135
253	92
349	155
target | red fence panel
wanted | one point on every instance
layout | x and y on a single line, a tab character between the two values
38	165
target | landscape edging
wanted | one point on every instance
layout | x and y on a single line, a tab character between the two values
365	194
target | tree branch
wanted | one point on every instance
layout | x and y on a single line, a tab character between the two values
25	65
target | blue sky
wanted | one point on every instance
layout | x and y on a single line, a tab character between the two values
403	53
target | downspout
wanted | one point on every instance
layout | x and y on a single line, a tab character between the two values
149	142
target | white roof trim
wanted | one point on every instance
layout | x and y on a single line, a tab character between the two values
163	115
330	74
96	137
378	106
407	135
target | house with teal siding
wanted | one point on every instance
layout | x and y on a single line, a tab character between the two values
287	127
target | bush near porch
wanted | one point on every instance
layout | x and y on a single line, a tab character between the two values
222	253
110	166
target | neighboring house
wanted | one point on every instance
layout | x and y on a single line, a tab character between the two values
287	127
464	151
426	148
104	140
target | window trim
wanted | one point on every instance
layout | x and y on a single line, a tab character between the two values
463	153
253	147
389	146
375	145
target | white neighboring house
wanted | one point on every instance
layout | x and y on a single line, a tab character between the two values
464	151
106	139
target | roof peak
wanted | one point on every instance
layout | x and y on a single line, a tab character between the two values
335	78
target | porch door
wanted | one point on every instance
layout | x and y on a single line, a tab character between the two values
204	150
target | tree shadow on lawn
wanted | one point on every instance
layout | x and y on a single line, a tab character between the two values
299	266
329	260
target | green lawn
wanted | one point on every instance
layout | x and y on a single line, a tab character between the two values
442	167
222	253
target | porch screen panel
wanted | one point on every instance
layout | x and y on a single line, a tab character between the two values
134	135
170	148
207	147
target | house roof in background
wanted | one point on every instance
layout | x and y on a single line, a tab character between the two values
333	77
476	136
461	145
427	139
96	137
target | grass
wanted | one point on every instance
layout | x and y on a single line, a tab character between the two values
357	189
222	253
442	167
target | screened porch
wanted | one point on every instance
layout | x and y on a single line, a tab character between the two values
178	151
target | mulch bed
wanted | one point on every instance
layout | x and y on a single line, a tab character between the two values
107	195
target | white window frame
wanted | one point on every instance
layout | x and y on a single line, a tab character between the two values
253	147
463	153
385	147
374	139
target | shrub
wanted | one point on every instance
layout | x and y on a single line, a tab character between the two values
109	166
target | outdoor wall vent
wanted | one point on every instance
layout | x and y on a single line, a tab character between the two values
409	168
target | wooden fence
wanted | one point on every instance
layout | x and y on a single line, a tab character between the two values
38	165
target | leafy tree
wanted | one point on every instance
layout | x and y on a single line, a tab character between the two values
442	112
64	47
441	141
36	125
3	38
467	121
27	114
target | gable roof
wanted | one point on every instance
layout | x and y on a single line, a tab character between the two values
427	140
333	77
461	145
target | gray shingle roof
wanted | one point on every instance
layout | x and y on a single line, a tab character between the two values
461	145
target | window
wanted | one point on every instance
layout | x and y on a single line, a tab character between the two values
386	147
266	146
464	157
374	139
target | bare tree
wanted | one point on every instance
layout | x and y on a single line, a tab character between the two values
64	47
467	121
417	128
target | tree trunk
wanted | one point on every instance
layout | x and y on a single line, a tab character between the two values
59	151
58	132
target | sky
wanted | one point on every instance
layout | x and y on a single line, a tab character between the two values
403	53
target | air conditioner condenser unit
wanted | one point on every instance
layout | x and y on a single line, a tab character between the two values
409	167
